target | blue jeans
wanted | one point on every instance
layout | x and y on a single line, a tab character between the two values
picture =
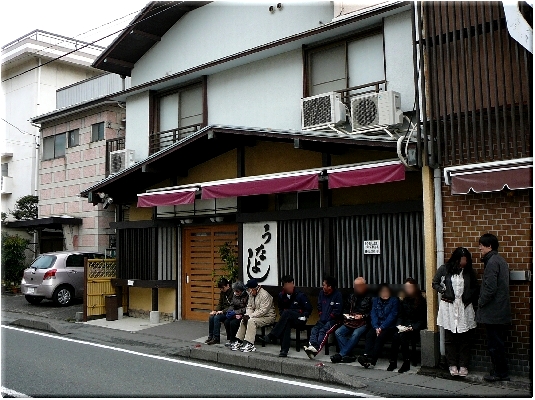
214	325
348	338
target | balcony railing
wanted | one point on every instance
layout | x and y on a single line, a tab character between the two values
372	87
161	140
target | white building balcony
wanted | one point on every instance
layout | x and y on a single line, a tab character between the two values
7	185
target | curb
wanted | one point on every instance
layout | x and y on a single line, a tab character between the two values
269	363
37	325
477	377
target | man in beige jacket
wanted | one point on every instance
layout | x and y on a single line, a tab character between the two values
260	312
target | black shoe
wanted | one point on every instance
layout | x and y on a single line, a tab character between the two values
405	367
210	338
496	378
336	358
349	359
364	361
213	341
283	353
265	339
392	366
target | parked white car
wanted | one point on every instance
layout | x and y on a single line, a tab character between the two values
57	276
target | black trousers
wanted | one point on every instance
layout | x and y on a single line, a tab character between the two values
403	340
496	345
283	328
374	343
457	346
231	326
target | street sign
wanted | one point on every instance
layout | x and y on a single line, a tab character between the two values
372	247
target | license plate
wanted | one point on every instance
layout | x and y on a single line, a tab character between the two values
31	290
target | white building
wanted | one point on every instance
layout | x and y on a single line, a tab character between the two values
29	84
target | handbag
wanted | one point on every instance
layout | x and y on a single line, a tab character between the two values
355	323
231	314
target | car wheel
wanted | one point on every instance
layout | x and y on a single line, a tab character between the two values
63	296
33	299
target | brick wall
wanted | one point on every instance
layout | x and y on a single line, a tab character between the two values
61	180
509	216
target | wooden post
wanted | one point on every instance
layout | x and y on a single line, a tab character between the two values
86	272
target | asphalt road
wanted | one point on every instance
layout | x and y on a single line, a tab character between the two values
17	303
44	365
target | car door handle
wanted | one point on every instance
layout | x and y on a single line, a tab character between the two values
74	272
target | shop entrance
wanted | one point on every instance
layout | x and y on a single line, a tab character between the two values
201	262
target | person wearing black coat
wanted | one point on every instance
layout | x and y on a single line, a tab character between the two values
494	305
236	311
294	309
456	281
412	318
356	321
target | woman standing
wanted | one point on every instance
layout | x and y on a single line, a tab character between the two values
457	282
236	311
383	320
412	318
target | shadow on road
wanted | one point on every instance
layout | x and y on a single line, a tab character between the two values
47	308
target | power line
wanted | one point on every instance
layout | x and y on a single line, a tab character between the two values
86	32
89	44
17	128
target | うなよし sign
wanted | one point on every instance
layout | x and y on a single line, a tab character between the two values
260	252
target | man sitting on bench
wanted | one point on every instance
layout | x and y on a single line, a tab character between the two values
294	309
330	310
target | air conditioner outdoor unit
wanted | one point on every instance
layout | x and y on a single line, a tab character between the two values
375	109
322	110
121	159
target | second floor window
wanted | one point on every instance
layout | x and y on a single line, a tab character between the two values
181	110
97	132
73	138
5	169
54	146
345	64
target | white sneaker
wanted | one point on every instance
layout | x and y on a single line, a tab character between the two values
463	371
305	348
236	346
248	348
312	349
454	371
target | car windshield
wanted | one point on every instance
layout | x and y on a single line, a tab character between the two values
43	262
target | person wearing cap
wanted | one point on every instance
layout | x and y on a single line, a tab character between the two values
294	309
218	315
260	312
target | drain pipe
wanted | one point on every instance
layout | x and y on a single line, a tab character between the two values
439	230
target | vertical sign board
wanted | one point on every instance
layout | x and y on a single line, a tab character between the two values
372	247
260	253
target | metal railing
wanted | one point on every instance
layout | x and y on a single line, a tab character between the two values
372	87
55	40
163	139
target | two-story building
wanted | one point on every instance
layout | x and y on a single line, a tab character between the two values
239	117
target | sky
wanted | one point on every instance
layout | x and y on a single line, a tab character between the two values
68	18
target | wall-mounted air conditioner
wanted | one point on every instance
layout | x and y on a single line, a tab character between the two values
121	159
376	109
322	110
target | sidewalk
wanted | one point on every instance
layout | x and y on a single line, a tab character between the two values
185	339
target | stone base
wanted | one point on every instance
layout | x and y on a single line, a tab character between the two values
164	317
154	317
120	313
430	344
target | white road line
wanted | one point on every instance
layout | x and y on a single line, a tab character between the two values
193	364
12	393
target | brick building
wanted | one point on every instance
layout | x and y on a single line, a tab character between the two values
75	146
478	107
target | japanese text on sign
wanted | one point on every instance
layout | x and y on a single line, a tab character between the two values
372	247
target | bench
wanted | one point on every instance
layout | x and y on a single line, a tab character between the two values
305	328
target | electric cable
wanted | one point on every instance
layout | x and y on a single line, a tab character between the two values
90	43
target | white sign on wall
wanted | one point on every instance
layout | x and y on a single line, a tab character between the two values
260	253
372	247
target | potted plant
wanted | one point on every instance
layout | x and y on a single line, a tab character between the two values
228	255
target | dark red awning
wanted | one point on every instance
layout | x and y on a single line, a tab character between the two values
366	174
167	198
267	184
491	180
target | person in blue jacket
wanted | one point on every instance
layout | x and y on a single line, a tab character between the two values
294	309
330	307
384	316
